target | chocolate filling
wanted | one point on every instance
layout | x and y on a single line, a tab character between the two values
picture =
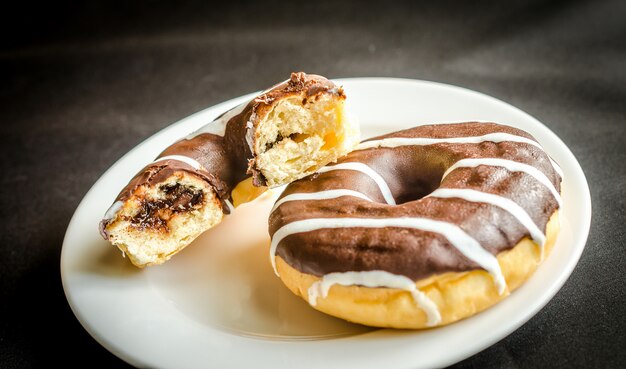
270	145
226	159
155	213
296	137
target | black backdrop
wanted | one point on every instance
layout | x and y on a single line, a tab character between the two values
81	84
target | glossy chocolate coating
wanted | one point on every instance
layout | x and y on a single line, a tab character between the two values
412	172
227	160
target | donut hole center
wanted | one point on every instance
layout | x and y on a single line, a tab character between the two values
415	191
411	175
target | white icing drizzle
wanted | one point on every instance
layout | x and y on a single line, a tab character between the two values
463	242
496	137
510	165
230	206
112	211
321	195
181	158
363	168
271	88
467	245
556	167
376	278
502	202
218	126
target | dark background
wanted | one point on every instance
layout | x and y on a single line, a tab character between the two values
81	84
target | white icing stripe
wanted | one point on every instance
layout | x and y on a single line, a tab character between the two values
556	167
271	88
496	137
218	126
181	158
502	202
510	165
230	206
112	212
376	278
321	195
360	167
468	246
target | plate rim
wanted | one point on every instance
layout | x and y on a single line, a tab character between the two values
453	357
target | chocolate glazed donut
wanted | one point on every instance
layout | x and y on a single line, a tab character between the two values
420	227
283	134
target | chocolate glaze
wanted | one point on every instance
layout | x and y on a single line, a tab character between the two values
411	173
228	160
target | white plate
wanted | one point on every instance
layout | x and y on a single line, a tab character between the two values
218	303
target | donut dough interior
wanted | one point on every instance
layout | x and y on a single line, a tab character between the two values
158	221
294	139
301	135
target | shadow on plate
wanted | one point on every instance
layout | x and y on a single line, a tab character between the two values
225	280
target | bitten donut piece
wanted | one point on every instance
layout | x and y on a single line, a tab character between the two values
421	227
299	129
161	217
281	135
